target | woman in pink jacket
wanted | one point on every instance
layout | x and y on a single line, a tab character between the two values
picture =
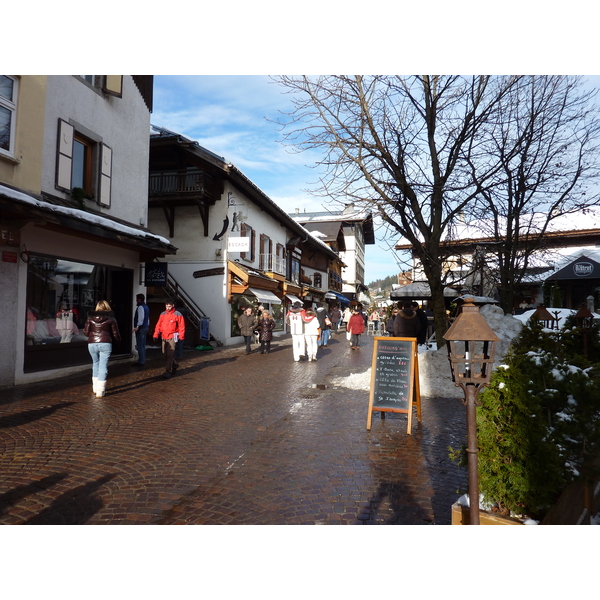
356	326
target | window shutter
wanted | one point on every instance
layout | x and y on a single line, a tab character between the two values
252	244
243	234
113	85
105	175
64	160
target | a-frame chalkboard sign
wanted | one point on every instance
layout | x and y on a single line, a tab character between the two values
394	378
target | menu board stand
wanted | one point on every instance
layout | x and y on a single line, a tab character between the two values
394	378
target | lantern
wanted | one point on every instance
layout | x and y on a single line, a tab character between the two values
471	351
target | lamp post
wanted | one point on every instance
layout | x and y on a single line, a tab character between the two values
471	350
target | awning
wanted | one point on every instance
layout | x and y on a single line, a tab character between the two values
330	295
265	296
294	298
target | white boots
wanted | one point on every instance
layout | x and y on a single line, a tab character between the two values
98	387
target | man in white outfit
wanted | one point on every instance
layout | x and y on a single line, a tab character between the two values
295	321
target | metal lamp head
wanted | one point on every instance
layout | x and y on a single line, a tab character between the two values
471	347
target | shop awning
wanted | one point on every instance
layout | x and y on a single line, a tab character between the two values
265	296
330	295
293	298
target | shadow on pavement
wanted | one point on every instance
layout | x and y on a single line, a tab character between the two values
12	497
74	507
30	415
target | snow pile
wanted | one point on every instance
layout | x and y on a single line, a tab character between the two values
435	377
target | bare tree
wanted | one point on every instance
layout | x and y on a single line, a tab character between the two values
546	137
404	147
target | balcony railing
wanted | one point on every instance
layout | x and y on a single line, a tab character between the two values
272	263
184	182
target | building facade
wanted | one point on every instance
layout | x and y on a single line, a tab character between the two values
73	215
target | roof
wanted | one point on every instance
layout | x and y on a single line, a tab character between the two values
348	215
19	205
419	289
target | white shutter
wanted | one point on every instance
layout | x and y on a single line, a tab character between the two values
64	159
105	175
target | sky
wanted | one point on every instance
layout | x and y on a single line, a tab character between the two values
235	117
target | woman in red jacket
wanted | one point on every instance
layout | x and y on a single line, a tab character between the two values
356	326
101	329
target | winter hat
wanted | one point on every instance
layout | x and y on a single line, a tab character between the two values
297	304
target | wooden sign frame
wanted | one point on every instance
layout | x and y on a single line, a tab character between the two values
414	392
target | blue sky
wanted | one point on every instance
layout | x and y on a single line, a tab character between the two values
232	116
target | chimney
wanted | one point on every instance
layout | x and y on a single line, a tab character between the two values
297	210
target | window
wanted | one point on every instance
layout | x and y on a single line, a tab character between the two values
265	253
247	231
109	84
84	167
8	114
317	280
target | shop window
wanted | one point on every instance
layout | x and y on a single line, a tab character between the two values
242	301
60	293
317	280
8	114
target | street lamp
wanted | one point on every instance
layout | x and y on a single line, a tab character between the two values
471	350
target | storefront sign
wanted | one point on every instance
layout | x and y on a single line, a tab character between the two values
9	236
10	257
209	272
583	269
156	274
238	244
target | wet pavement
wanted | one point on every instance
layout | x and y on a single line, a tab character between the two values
232	439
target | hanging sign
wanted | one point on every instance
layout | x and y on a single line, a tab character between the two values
394	378
155	274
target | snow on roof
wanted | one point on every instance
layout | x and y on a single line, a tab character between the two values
81	215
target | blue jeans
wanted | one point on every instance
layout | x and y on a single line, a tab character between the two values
140	342
100	354
324	339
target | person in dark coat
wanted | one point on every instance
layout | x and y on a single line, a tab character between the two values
422	336
247	322
102	330
266	324
389	326
406	323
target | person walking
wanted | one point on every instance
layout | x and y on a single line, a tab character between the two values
375	317
102	330
356	326
335	314
171	329
406	323
247	323
346	317
294	320
324	325
266	324
312	328
141	324
389	326
422	335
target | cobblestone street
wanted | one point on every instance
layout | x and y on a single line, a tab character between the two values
232	439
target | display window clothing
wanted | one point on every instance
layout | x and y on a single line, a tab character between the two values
407	324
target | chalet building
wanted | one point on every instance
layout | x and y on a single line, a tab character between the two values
566	268
236	247
356	228
73	215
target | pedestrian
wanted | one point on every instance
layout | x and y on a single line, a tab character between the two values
141	324
102	330
179	345
375	317
266	325
294	320
324	325
335	314
356	326
171	329
406	323
389	326
247	323
346	317
422	335
312	329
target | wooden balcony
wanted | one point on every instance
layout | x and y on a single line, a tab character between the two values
189	184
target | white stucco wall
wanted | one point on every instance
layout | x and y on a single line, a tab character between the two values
197	252
120	123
